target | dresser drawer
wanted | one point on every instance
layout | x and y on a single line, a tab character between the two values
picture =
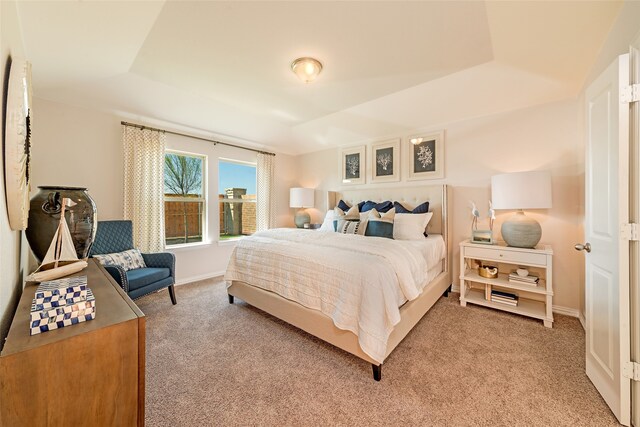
504	255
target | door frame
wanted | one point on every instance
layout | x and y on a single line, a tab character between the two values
634	217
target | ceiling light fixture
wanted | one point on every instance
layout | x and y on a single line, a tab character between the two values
307	69
415	141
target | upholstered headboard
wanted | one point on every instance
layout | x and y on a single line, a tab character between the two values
438	196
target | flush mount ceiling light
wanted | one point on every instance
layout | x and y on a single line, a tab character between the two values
415	141
307	69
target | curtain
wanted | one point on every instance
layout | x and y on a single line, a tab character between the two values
144	186
266	203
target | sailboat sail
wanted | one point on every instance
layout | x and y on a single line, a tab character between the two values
61	258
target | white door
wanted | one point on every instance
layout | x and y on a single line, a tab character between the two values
607	263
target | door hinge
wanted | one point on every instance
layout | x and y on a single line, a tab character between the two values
631	370
630	94
630	231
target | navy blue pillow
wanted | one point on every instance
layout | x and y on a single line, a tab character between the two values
342	205
379	229
381	207
360	205
423	208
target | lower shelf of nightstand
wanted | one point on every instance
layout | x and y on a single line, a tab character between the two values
526	307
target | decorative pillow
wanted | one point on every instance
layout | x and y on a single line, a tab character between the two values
411	226
361	204
380	225
420	209
364	219
351	215
378	228
129	260
386	216
347	227
343	206
380	207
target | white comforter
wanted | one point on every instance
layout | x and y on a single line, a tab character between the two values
352	279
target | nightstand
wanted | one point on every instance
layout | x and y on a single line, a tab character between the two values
533	300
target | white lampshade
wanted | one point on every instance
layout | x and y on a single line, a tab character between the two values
301	197
521	190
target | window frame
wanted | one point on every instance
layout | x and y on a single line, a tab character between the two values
243	163
204	199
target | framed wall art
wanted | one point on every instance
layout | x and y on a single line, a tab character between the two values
425	156
352	164
385	161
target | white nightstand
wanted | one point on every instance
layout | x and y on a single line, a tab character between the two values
533	300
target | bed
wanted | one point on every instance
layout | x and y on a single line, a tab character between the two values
274	272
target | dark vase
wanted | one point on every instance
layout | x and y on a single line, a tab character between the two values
44	217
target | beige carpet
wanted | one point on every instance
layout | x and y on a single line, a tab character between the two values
211	363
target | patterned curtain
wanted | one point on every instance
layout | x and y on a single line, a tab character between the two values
266	209
144	186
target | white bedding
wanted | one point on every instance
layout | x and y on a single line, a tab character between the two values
359	282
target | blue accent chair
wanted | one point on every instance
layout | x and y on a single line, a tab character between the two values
117	236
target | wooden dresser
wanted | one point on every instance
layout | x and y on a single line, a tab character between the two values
92	373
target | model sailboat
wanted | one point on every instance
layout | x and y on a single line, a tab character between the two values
61	258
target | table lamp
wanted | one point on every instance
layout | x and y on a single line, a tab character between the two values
521	190
301	198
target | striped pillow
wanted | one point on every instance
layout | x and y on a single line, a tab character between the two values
347	227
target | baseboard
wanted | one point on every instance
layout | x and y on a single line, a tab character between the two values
566	311
200	277
455	288
583	321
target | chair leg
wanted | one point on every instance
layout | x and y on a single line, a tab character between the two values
230	298
172	294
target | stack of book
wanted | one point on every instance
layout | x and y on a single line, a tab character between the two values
506	298
60	303
531	279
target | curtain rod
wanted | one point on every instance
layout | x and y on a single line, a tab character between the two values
195	137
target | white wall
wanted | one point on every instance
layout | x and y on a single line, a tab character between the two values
546	137
80	147
10	241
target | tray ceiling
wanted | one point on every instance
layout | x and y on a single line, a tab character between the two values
224	66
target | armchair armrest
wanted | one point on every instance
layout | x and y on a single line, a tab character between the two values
119	275
161	260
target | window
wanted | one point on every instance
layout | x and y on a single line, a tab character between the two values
237	195
184	198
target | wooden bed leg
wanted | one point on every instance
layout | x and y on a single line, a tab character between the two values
230	298
446	293
377	372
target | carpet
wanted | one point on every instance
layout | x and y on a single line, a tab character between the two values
212	363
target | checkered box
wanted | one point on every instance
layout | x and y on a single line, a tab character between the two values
64	288
59	317
58	301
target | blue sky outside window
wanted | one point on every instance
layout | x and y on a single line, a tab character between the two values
236	175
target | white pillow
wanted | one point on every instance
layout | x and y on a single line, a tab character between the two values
327	224
410	226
